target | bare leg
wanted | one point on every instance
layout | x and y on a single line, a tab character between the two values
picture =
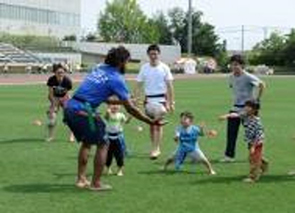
82	161
208	165
156	138
51	125
72	137
99	163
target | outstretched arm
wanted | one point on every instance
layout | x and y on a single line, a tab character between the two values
230	115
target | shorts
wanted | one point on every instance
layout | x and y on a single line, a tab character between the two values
195	156
82	129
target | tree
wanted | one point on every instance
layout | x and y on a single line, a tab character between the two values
205	41
161	23
124	21
288	52
270	51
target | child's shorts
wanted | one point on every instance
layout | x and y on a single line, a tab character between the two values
179	156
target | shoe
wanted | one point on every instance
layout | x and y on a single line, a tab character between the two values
109	171
155	154
227	160
291	173
212	172
248	180
50	139
82	184
102	187
120	173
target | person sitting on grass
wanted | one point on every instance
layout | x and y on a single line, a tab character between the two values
187	136
114	135
254	136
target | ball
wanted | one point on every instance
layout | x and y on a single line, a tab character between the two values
37	122
139	129
155	110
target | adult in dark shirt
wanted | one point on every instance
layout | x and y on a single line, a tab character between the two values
58	87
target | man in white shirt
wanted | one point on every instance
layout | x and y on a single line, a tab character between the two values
156	79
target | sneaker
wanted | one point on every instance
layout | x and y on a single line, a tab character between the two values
109	171
155	154
248	180
212	172
82	184
291	173
50	139
227	160
120	173
102	187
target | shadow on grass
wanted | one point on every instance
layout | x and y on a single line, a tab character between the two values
42	188
235	179
169	172
21	140
217	161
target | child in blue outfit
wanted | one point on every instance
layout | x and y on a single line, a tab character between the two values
187	136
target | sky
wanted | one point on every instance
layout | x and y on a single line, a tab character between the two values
260	17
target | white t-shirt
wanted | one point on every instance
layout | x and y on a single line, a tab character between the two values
155	80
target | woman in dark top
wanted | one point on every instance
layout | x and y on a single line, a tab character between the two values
58	87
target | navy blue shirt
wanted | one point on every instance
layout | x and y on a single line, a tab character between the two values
103	81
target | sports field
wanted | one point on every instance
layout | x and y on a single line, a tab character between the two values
39	177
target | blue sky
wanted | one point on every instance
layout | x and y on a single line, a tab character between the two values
227	15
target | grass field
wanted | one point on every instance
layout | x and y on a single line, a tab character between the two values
39	177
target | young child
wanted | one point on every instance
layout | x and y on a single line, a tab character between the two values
187	136
254	136
114	133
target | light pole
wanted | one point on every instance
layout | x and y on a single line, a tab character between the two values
189	39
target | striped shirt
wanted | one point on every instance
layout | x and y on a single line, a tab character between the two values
254	131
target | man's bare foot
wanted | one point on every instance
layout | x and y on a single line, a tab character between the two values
101	187
82	184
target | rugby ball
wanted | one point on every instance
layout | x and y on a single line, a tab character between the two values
155	110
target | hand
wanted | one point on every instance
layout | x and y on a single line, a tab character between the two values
222	117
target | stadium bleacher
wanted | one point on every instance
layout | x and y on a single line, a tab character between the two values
12	54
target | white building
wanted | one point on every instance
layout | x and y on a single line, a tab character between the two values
40	17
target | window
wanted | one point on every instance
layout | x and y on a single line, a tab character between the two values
38	15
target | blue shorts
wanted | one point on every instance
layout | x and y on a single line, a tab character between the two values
81	128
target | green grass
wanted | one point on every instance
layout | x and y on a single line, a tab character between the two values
39	177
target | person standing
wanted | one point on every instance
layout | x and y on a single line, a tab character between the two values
157	80
80	115
243	85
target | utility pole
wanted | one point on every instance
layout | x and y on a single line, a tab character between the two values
190	27
265	32
243	40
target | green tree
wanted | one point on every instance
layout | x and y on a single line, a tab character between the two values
270	51
124	21
288	52
161	23
205	41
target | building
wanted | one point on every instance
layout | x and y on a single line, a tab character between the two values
93	53
40	17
